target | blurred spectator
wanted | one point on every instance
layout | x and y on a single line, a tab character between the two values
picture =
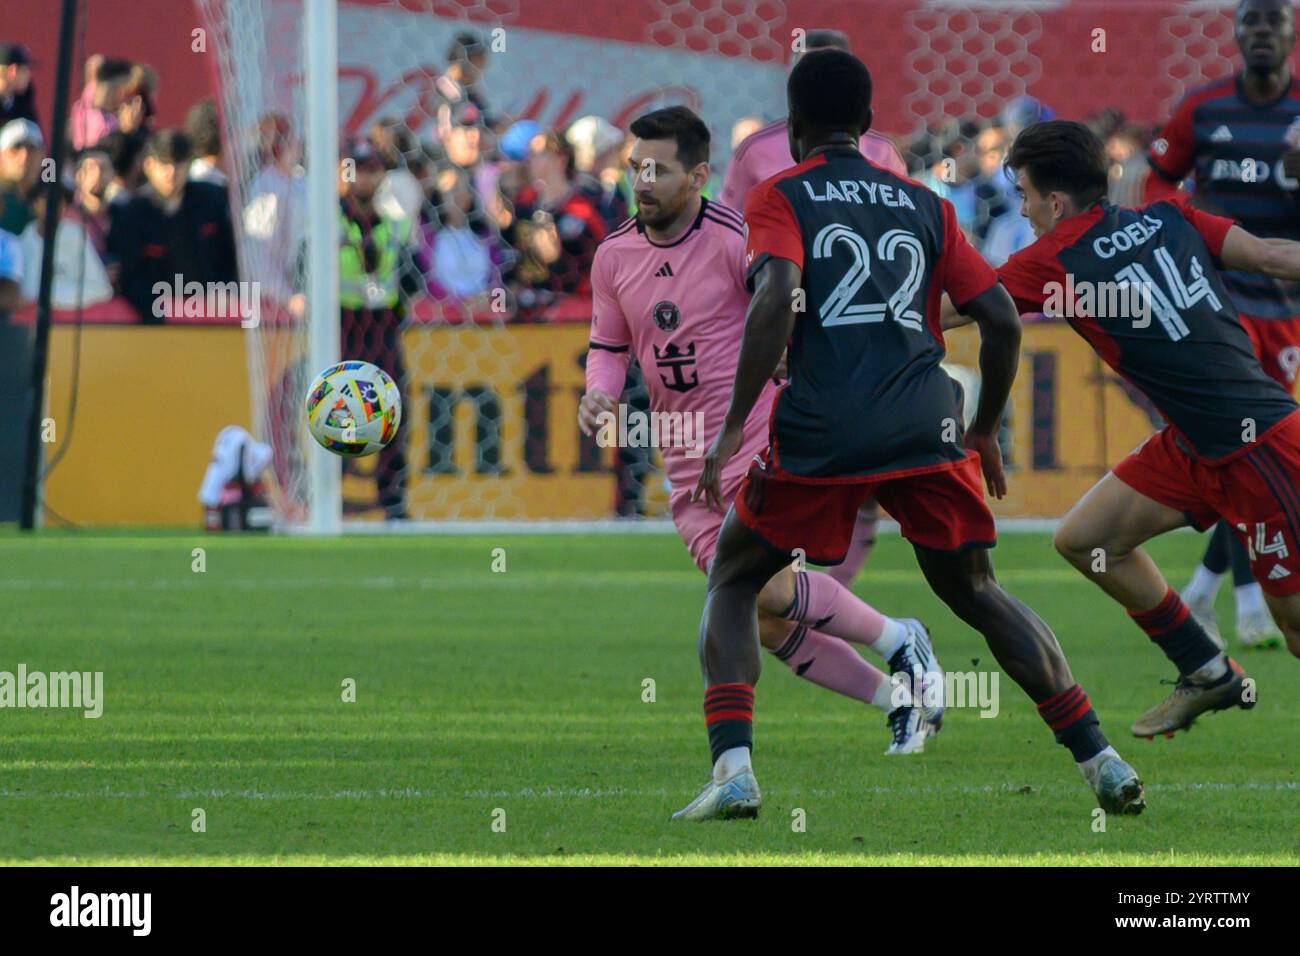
21	150
1126	147
89	208
171	227
952	174
598	157
11	274
1020	112
94	114
459	255
743	128
463	79
399	195
203	128
17	98
556	228
135	110
123	154
995	193
275	218
370	300
79	276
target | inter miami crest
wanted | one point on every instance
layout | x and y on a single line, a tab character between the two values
667	316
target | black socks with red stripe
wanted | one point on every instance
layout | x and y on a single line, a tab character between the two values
729	715
1075	723
1171	625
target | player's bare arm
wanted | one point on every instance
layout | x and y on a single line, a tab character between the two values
768	325
999	324
949	317
1279	258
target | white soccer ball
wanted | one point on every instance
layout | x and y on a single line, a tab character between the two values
353	409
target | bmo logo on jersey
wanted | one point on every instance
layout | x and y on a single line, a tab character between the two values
1251	171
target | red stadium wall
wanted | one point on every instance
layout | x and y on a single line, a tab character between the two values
976	61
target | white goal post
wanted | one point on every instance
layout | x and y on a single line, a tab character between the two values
320	39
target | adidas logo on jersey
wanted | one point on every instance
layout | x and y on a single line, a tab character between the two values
665	270
1221	135
1279	571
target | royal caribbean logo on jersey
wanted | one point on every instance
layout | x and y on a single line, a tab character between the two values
666	315
677	362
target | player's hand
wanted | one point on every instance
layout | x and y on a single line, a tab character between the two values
985	444
589	408
722	450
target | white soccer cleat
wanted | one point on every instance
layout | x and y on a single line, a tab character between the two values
908	731
916	659
1202	609
1256	629
734	799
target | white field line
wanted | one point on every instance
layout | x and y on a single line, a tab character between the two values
412	793
603	526
524	579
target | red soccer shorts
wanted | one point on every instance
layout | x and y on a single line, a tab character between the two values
1257	492
1277	343
941	508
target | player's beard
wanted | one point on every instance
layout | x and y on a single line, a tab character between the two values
662	214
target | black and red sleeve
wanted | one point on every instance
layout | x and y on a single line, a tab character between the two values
771	230
1030	275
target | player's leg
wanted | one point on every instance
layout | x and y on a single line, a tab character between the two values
811	654
820	618
1203	590
1101	536
946	519
1255	627
1277	343
815	599
1286	612
730	663
769	518
861	545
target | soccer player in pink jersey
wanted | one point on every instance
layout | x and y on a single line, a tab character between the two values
669	288
762	155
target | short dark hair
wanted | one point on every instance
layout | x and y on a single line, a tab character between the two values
464	46
203	128
822	39
830	89
679	124
168	146
1062	156
123	150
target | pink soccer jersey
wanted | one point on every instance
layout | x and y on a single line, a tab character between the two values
679	307
766	152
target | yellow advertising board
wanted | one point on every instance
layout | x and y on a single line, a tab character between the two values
490	423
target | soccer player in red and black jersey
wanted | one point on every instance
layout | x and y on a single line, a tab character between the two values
848	263
1231	450
1238	138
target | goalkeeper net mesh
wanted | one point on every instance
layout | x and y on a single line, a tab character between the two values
488	339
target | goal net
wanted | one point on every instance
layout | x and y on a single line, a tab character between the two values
488	337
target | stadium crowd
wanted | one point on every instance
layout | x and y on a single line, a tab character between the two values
475	213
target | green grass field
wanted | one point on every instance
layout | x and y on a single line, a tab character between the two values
521	692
